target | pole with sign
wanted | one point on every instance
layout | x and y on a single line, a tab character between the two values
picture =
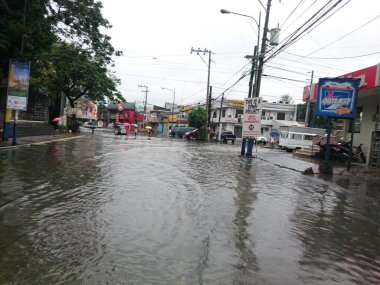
337	98
252	118
17	91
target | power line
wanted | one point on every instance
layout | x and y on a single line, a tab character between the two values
284	78
292	38
356	56
291	13
344	35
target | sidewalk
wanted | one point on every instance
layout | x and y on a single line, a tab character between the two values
358	173
27	141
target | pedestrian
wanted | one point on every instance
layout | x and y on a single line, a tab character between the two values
118	131
135	132
55	125
271	142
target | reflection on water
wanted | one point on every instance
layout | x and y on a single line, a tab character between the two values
100	210
246	264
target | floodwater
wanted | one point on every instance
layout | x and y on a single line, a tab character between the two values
100	210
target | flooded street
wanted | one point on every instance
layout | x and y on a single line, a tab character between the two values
99	210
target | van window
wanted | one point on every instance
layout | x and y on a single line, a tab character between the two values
296	137
308	137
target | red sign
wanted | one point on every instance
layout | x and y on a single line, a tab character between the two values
369	78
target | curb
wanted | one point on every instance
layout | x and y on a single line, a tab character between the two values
39	142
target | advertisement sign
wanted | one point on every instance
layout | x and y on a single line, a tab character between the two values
337	97
84	109
252	117
18	85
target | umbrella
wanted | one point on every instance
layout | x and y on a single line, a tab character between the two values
148	127
126	124
57	119
135	125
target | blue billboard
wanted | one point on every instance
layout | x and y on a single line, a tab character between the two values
337	97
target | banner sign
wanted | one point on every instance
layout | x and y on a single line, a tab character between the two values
18	85
84	109
252	117
337	97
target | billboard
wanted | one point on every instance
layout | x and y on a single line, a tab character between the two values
18	85
85	109
252	117
337	97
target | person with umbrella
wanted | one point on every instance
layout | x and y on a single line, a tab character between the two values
149	128
55	125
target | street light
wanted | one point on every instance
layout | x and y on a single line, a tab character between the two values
256	50
173	90
255	57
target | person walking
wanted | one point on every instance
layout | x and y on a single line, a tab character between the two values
271	142
135	132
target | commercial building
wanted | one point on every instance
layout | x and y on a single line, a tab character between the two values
275	116
366	125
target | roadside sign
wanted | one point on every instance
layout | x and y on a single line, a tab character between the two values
252	117
18	85
337	97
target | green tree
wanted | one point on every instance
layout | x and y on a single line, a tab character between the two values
197	118
287	99
301	113
29	30
74	72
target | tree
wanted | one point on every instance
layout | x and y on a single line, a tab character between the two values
301	113
197	118
72	71
30	29
287	99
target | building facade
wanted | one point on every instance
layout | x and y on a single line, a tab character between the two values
366	125
275	116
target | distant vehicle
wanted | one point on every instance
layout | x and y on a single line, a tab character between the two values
180	131
88	125
293	140
228	136
192	135
261	140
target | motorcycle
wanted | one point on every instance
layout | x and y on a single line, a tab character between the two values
341	150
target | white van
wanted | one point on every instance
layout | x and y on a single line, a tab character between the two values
295	140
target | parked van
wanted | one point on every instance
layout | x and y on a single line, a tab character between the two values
294	140
180	131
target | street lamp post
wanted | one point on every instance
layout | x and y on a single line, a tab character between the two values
173	90
252	92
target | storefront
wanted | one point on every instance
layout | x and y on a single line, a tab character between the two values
366	125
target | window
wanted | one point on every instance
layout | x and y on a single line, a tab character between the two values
356	123
263	113
238	112
296	137
214	114
223	113
280	116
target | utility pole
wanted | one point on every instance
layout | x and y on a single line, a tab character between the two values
220	114
263	49
209	107
307	116
251	92
146	98
208	76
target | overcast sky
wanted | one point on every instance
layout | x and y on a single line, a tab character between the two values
156	38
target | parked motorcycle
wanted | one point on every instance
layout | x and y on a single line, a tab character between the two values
341	151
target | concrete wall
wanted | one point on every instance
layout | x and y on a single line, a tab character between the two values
370	105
